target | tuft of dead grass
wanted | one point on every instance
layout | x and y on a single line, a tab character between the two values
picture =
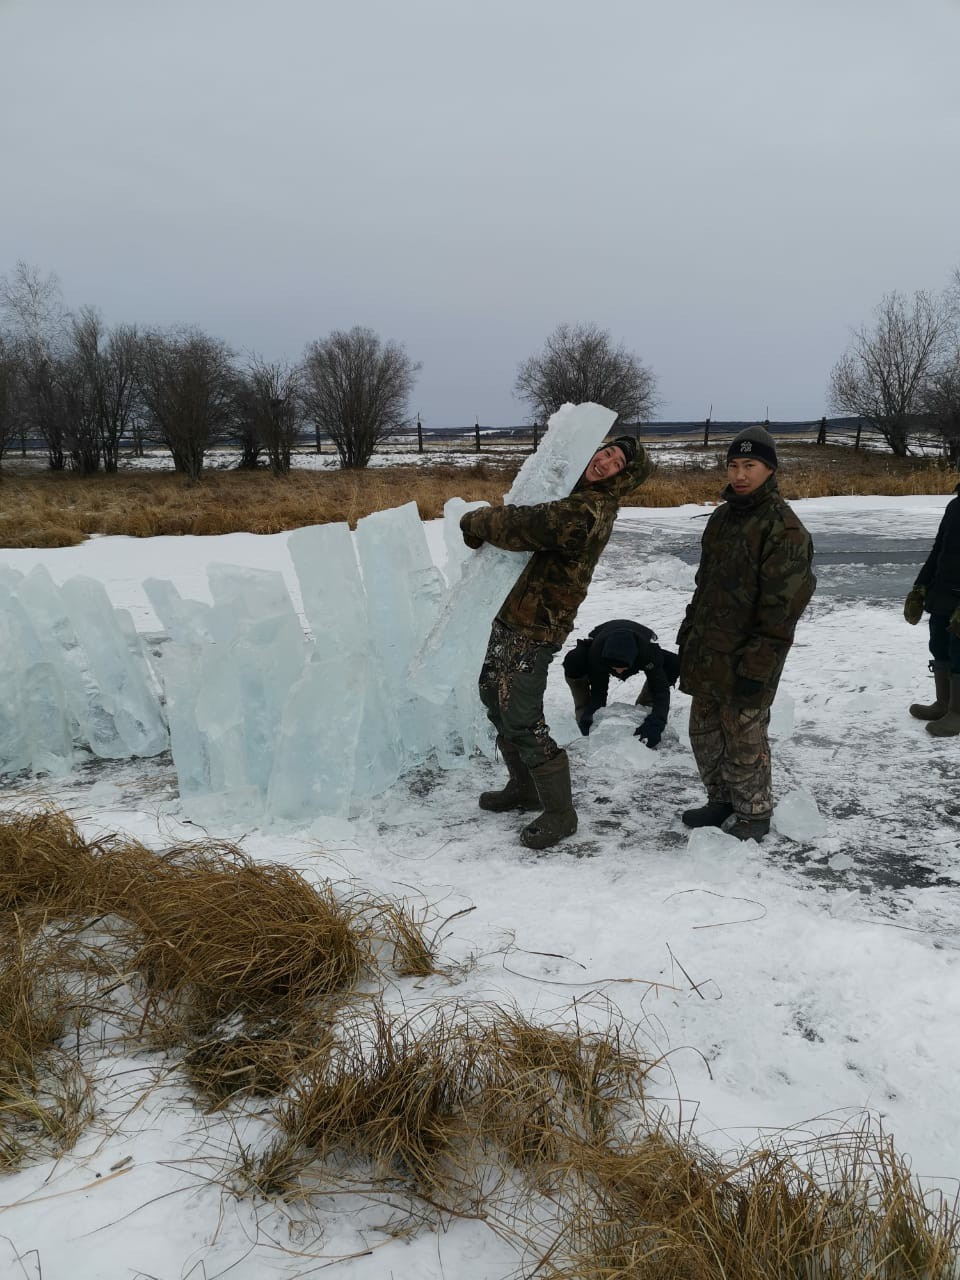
216	934
45	864
45	1097
840	1208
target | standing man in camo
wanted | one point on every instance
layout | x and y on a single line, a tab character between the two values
753	583
566	538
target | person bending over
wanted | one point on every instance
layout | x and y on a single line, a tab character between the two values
621	648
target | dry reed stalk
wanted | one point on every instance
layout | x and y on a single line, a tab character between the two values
45	1098
396	924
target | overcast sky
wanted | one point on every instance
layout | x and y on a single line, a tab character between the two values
727	186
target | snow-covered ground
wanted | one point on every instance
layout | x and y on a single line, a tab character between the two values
800	978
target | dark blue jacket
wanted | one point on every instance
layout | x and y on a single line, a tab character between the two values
941	573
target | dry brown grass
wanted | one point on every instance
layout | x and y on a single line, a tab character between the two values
215	934
60	509
47	866
844	1207
45	1098
467	1107
439	1098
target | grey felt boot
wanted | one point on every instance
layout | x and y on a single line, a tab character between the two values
941	703
948	726
559	818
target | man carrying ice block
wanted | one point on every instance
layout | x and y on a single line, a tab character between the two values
566	538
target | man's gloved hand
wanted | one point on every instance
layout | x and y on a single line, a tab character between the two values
473	540
954	623
584	722
744	687
650	732
913	605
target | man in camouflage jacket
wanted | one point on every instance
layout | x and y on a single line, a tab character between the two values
753	583
566	538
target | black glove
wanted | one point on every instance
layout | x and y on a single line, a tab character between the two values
746	688
472	542
650	732
954	624
913	605
584	722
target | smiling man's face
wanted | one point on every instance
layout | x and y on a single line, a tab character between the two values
609	460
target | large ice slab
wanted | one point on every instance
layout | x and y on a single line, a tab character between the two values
457	641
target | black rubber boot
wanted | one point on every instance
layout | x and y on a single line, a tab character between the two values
749	829
559	818
712	814
948	726
520	791
941	704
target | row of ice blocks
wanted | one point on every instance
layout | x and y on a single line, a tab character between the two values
274	716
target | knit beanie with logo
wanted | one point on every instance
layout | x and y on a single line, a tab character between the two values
755	442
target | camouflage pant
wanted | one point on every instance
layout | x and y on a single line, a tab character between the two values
733	755
512	683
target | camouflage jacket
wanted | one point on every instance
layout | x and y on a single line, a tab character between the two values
753	583
566	538
941	573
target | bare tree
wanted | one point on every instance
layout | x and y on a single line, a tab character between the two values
31	303
356	388
188	387
104	367
941	405
883	375
580	363
9	388
272	409
43	405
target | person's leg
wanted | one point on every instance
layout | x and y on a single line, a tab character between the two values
707	743
940	667
948	724
521	711
575	674
520	791
523	682
746	769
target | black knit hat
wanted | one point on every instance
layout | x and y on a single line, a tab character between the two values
627	445
755	442
619	649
